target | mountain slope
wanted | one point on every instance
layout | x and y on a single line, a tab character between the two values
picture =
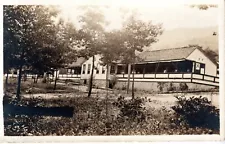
185	36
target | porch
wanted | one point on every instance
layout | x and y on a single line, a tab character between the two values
166	71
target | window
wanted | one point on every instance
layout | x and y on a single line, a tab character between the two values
103	70
197	66
112	70
97	70
89	69
69	71
84	68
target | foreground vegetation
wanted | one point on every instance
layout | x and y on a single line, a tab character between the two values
122	116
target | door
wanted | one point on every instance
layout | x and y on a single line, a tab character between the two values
199	68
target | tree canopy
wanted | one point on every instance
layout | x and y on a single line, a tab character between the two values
34	41
32	37
138	34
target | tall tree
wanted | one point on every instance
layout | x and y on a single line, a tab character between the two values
111	53
57	52
91	35
35	38
137	35
112	49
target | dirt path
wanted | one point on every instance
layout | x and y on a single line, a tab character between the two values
157	100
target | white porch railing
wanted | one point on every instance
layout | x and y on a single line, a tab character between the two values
173	77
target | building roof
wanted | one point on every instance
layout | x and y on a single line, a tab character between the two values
77	63
166	54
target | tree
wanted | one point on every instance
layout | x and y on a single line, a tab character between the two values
204	6
58	51
112	49
9	47
35	38
91	35
212	55
137	35
110	53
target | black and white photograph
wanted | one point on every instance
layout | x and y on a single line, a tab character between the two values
134	68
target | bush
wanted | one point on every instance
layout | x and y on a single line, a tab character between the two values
183	87
171	87
131	109
44	80
112	81
124	87
160	86
197	112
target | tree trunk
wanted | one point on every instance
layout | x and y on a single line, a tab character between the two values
45	77
19	83
91	78
55	80
25	77
128	78
20	76
133	81
107	86
107	77
36	79
6	79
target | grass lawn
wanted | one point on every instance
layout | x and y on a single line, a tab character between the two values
28	87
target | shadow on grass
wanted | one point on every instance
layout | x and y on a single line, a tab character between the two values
37	111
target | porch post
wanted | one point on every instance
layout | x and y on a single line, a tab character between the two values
144	70
116	68
128	77
156	69
193	67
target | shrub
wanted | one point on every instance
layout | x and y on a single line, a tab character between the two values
163	86
171	87
160	86
131	109
44	80
183	87
197	112
124	87
112	81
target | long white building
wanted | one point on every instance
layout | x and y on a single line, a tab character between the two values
177	65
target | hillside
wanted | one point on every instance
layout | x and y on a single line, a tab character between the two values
185	36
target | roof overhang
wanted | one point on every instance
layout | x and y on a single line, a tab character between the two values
160	61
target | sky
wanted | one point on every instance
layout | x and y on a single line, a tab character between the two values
172	14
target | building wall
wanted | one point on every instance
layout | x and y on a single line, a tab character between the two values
100	75
198	56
